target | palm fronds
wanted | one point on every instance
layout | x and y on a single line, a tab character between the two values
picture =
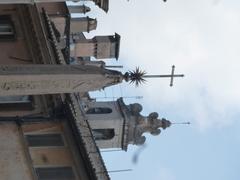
136	76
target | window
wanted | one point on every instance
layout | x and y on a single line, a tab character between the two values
99	110
103	134
13	103
55	173
41	140
6	28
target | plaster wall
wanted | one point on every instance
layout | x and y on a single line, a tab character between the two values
83	49
79	25
53	8
13	162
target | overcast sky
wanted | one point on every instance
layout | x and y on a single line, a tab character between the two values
201	38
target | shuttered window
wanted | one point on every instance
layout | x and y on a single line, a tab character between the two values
41	140
15	103
6	28
55	173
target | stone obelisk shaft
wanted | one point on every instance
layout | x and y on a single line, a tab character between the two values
52	79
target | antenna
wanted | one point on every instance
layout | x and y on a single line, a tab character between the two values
114	66
122	170
116	97
188	123
114	150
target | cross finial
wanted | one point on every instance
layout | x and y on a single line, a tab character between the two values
138	76
174	75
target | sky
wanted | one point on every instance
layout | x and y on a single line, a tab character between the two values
202	39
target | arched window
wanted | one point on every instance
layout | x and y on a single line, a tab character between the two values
99	110
103	134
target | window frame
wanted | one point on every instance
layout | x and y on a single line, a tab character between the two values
112	133
93	110
17	105
75	177
46	146
7	20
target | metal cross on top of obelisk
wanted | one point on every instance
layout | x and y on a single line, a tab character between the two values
138	76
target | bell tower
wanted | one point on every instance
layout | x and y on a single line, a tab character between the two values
116	125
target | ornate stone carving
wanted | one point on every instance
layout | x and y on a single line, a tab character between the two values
151	124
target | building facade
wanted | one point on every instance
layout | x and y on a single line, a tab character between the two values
43	136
